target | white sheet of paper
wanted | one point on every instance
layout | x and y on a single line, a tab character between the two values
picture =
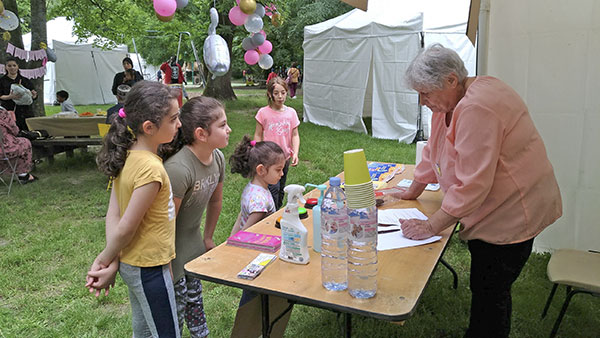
396	240
405	183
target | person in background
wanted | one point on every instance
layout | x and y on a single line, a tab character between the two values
62	96
129	78
492	165
271	75
173	75
140	220
279	123
13	76
122	91
293	77
159	75
196	168
118	79
16	148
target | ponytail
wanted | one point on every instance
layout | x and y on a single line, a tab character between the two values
112	156
249	154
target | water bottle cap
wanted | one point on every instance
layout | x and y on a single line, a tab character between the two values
335	181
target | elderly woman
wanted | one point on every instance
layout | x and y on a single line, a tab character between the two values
13	76
17	148
492	166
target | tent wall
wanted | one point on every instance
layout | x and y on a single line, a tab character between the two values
94	66
548	52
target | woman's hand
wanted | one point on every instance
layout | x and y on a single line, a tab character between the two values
33	94
416	229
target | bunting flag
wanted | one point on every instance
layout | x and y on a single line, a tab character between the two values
28	73
32	55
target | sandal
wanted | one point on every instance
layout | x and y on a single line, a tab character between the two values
28	179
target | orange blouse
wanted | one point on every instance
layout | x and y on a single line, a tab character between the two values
492	165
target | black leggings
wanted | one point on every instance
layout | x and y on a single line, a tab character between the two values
277	188
494	268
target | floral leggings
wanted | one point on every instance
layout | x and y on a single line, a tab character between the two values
190	307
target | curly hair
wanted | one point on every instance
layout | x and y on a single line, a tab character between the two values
147	101
246	157
431	67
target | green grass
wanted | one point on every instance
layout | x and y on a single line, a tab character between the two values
50	232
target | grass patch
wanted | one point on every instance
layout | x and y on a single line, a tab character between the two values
51	231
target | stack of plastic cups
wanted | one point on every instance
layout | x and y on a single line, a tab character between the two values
362	238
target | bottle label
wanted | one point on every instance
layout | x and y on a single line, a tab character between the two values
363	224
335	225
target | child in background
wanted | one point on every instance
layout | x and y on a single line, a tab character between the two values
263	163
279	123
129	77
140	221
196	171
62	96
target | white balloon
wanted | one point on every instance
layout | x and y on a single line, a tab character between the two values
181	3
265	61
260	10
253	23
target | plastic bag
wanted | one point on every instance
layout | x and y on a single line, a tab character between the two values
23	94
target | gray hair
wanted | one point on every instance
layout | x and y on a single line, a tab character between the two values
432	66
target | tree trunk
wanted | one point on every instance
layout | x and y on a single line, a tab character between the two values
38	34
15	35
220	87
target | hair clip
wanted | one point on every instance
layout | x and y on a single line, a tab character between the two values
252	143
122	113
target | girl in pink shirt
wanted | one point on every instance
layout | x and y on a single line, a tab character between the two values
279	123
491	163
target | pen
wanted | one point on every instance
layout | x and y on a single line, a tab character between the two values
387	231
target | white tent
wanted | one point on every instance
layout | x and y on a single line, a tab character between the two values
354	63
85	71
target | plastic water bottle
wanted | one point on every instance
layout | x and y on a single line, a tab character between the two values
334	233
362	252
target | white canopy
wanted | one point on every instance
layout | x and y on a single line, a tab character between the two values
85	71
354	63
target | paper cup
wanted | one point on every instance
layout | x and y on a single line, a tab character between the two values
360	195
355	167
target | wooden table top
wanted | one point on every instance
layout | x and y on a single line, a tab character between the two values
401	278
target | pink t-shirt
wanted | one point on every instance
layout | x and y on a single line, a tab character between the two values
492	165
278	126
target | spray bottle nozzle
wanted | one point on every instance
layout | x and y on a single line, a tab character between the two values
294	192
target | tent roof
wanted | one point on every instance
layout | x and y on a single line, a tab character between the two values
390	16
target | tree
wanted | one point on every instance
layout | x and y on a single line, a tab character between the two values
38	35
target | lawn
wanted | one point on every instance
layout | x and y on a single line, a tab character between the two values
51	230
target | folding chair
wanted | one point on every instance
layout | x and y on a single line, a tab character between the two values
11	165
579	271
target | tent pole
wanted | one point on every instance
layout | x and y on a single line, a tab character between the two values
178	47
420	136
99	82
138	57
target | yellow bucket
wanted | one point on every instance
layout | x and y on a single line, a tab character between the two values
103	128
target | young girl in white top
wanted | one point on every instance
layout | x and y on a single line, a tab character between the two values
263	163
140	221
279	123
196	170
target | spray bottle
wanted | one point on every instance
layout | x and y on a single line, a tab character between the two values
294	237
317	217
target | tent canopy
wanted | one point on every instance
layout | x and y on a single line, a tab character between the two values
83	70
354	63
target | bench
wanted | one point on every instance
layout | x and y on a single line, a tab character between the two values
51	146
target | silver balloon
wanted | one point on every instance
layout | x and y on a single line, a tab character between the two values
51	55
247	43
260	10
253	23
265	61
216	52
258	39
181	3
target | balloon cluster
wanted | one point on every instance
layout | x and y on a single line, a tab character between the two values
165	9
257	47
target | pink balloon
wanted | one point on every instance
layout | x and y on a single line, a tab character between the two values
165	7
236	16
263	33
251	57
266	47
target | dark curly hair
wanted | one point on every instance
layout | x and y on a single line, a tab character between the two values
147	101
198	112
246	157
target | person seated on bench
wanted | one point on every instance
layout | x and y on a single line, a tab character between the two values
16	148
62	96
122	91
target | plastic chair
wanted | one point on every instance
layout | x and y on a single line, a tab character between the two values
579	271
12	165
